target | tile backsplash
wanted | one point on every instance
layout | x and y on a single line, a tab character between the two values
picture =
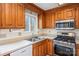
54	32
12	32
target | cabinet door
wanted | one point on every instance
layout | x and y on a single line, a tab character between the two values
69	13
14	14
20	23
45	47
77	18
6	15
53	20
77	49
41	21
59	15
48	18
0	16
50	47
35	51
40	50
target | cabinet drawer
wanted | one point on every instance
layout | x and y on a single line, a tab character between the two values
27	51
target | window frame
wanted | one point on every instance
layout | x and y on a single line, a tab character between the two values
31	15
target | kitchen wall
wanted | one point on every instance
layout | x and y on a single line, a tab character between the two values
12	32
9	36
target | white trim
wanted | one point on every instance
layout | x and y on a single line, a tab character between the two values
32	15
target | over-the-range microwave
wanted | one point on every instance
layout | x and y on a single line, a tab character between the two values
65	24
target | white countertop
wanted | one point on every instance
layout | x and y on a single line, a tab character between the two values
8	48
11	47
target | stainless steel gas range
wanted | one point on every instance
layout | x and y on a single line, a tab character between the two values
64	44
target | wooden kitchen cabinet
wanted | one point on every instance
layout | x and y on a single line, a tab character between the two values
59	15
69	13
50	47
43	48
41	21
20	21
39	49
53	20
77	49
48	18
0	16
12	15
77	18
65	14
6	16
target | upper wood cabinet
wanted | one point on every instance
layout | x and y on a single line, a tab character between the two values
6	15
59	15
53	20
41	21
0	16
65	14
20	21
69	13
48	18
12	15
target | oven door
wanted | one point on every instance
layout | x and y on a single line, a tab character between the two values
63	51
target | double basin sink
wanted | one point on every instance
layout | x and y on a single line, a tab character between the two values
34	39
38	38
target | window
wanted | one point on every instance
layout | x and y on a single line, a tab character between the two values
31	22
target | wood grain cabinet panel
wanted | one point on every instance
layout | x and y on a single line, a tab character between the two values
20	23
41	21
59	15
77	49
69	13
50	47
12	15
0	16
48	18
6	15
53	20
77	18
43	48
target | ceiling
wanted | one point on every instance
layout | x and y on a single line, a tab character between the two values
46	6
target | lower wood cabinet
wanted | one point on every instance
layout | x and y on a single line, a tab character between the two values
43	48
39	49
77	49
50	49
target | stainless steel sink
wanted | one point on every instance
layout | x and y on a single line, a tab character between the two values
34	39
